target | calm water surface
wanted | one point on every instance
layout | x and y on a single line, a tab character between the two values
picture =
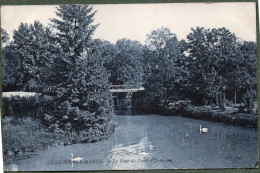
155	142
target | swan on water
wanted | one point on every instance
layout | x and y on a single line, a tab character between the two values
77	159
204	130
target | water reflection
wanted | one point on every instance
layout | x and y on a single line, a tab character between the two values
130	156
156	142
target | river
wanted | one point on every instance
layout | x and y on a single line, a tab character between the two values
154	142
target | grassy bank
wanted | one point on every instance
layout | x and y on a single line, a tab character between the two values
24	137
231	115
34	123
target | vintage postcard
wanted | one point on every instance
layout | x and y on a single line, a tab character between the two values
129	86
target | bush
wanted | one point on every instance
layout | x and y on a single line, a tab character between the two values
228	116
88	127
94	126
32	106
22	136
178	106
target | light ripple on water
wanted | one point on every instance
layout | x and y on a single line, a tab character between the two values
134	153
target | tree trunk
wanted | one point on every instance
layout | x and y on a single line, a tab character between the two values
249	101
222	101
235	96
217	99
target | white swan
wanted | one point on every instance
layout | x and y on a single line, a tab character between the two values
204	130
77	159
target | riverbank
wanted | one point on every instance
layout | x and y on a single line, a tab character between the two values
25	137
31	124
234	114
230	115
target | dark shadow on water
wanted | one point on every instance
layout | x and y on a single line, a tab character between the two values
129	112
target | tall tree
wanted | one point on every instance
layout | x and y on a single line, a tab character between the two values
11	76
81	83
212	57
30	46
244	81
125	63
162	74
73	37
4	37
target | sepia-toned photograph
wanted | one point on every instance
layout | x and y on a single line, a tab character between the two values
129	86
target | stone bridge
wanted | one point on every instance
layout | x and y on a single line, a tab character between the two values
122	95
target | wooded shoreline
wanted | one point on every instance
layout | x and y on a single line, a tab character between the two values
73	72
209	113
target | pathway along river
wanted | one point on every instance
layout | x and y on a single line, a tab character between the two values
155	142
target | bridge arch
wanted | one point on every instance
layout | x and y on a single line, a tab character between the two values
122	95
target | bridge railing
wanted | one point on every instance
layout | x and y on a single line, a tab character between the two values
125	88
18	94
118	87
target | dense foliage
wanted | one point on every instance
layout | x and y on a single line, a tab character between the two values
64	64
81	84
163	75
75	72
122	61
24	106
24	136
211	75
216	61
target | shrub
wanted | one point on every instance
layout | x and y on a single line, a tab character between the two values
95	126
178	106
26	135
32	106
228	116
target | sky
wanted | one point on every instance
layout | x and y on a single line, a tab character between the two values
135	21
